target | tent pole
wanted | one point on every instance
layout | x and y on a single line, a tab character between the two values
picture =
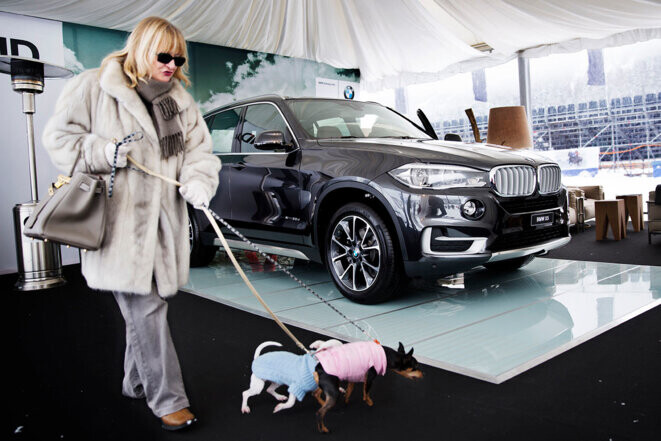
524	85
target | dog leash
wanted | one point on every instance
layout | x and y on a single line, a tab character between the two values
135	136
212	216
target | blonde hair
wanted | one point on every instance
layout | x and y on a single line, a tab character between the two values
150	37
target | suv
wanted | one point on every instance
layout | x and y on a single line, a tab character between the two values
374	196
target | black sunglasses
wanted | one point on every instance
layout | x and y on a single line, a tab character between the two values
165	58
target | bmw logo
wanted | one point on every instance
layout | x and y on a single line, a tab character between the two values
348	92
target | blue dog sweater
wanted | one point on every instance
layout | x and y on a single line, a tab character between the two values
281	367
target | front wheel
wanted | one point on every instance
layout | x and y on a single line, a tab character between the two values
361	256
510	264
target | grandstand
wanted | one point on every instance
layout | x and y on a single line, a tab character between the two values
625	129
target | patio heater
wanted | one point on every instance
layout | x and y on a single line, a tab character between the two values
39	262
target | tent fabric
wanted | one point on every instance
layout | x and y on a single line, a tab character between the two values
512	25
392	42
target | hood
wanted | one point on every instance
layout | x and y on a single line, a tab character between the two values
481	156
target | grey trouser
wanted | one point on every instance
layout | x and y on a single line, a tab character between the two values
151	366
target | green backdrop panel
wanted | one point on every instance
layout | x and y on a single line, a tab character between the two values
218	74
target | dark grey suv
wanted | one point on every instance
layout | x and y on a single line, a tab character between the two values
374	196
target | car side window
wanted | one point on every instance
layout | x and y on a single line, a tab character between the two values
222	130
260	118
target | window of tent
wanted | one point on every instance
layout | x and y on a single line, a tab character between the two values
598	114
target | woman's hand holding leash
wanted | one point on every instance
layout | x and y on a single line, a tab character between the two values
117	154
195	194
116	151
122	152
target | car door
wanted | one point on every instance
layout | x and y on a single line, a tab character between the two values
265	185
222	127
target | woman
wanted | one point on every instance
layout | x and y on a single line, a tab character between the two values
144	256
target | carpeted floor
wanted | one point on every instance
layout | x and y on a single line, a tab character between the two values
634	249
65	358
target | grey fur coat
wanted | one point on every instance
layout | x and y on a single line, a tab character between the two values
146	234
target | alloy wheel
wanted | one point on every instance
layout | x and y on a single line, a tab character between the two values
355	253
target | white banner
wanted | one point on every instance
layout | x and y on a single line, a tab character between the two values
572	161
32	38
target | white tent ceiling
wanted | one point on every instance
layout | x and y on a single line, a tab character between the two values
392	42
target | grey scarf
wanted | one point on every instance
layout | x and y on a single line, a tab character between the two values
163	109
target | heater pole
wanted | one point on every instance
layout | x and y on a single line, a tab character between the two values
28	109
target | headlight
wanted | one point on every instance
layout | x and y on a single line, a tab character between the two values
439	176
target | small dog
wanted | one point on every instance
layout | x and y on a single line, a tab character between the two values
322	372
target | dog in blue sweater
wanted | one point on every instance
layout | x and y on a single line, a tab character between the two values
280	367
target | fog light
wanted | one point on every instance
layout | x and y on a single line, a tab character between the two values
472	209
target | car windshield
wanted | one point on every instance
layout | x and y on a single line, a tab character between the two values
352	119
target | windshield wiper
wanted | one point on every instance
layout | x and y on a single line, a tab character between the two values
398	137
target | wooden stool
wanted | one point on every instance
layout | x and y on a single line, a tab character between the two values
610	212
633	207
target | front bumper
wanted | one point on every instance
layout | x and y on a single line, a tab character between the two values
439	240
437	266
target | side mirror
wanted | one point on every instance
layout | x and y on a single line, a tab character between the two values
270	140
452	137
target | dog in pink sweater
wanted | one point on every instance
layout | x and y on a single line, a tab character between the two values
358	362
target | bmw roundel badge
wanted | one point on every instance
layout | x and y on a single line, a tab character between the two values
348	92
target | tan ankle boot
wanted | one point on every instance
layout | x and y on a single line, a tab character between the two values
178	420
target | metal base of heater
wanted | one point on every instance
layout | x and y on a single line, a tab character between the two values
39	262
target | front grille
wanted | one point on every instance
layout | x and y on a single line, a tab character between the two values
528	238
527	205
549	179
514	180
450	246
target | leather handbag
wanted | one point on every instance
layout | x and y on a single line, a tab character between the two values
73	214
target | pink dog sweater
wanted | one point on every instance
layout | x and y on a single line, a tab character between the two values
351	361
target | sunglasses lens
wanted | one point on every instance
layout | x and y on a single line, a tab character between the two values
165	58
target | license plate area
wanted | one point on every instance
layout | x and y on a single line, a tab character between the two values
541	219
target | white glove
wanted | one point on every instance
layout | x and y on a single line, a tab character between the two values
121	154
195	194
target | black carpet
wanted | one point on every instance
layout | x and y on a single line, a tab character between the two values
634	249
65	357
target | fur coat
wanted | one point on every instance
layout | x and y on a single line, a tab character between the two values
146	235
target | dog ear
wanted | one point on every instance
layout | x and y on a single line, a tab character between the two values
401	348
410	353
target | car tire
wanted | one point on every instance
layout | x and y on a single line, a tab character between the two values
200	254
365	266
509	264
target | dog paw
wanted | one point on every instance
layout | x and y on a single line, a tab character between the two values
278	408
245	409
280	397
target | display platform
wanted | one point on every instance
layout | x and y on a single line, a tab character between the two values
490	326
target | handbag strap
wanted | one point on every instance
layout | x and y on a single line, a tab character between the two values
73	167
